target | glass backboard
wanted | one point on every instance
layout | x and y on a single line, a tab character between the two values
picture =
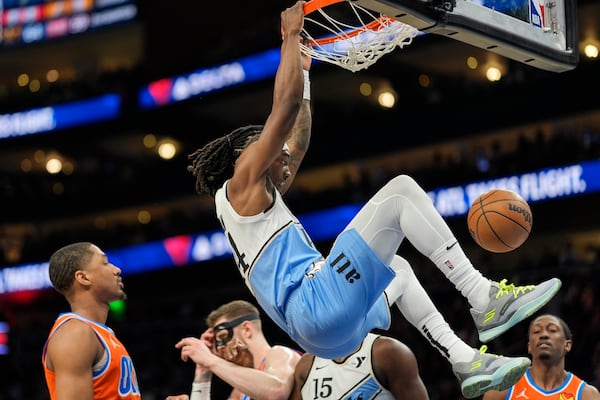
540	33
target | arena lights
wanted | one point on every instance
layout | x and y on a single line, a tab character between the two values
591	51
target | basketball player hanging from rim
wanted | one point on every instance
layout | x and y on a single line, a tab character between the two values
328	304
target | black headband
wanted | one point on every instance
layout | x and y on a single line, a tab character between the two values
229	325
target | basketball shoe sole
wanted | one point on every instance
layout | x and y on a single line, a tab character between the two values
510	304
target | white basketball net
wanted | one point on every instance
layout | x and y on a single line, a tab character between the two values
355	45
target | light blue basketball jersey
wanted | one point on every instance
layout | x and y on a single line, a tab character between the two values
327	306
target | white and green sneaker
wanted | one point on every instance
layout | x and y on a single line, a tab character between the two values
510	304
489	372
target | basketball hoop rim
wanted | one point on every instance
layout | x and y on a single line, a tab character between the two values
375	25
313	5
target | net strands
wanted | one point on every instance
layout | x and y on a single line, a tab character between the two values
354	38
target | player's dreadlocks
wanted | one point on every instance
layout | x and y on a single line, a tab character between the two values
213	164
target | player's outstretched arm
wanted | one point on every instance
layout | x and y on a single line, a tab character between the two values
299	139
254	163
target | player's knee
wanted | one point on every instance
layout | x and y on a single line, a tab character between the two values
405	184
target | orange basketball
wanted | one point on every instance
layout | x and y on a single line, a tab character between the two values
499	220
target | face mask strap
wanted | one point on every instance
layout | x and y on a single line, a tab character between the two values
228	326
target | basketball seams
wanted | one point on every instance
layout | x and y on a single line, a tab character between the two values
511	219
499	220
492	229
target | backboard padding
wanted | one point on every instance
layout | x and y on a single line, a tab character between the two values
551	45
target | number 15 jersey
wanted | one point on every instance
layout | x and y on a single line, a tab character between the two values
352	379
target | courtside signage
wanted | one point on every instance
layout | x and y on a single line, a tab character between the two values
67	115
542	185
207	80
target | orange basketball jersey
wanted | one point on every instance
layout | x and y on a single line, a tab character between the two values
526	389
114	376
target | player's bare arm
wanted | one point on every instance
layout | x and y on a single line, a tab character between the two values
590	392
392	360
72	351
275	382
299	139
280	363
300	374
247	189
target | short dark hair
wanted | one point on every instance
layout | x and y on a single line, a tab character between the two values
65	262
213	164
